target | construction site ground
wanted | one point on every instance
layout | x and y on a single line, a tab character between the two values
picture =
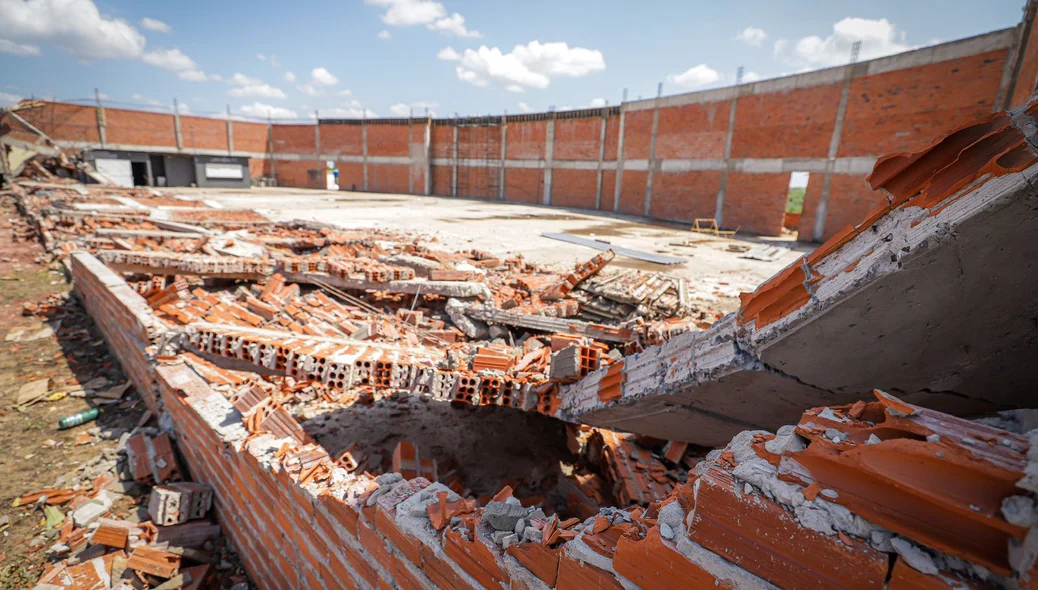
33	452
715	271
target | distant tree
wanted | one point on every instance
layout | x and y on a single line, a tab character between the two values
795	202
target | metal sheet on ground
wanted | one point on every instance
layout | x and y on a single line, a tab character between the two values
597	245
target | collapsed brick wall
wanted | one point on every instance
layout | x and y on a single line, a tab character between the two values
125	320
892	105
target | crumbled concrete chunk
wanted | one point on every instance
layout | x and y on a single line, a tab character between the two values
914	556
1019	510
665	531
533	534
502	516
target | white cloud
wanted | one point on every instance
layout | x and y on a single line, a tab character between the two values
323	77
524	108
261	57
155	25
274	61
780	47
12	48
695	77
75	25
141	98
290	77
515	88
8	99
309	89
257	90
752	36
597	103
448	54
750	77
408	13
259	109
384	34
353	109
878	38
198	76
531	65
454	25
344	92
401	109
183	109
169	59
239	79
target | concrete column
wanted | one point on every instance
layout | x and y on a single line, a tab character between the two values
619	161
102	125
176	126
504	156
317	138
230	132
549	157
834	148
364	144
273	160
428	155
1015	59
601	159
454	162
719	207
652	150
410	157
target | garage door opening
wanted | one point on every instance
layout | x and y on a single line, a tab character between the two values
795	202
140	173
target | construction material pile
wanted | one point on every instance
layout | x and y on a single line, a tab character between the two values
127	520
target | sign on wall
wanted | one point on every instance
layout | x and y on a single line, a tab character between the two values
225	171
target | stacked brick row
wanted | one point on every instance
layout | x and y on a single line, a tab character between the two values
342	367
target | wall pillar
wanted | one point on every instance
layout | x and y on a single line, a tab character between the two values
601	159
549	157
619	161
364	145
454	162
834	148
176	126
652	150
230	132
410	156
728	141
102	125
504	156
428	155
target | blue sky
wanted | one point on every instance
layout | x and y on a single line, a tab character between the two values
387	57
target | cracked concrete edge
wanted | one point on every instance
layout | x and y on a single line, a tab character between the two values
726	348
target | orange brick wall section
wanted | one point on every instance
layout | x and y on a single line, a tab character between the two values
684	196
140	128
578	139
385	140
441	180
693	131
300	173
478	181
574	188
756	202
905	109
295	139
526	140
251	137
66	122
347	140
351	176
632	192
637	136
1027	77
387	178
204	134
792	124
523	185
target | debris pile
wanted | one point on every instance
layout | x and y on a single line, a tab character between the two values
126	521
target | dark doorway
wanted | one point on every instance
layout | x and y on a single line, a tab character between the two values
158	170
140	173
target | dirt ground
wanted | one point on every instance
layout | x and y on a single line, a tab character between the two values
33	452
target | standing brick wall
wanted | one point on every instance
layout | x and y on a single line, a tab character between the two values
893	104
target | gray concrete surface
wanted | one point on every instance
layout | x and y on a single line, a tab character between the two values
715	275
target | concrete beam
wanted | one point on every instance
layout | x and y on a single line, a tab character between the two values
930	302
652	156
230	132
176	126
501	176
454	162
601	161
726	163
364	140
834	147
